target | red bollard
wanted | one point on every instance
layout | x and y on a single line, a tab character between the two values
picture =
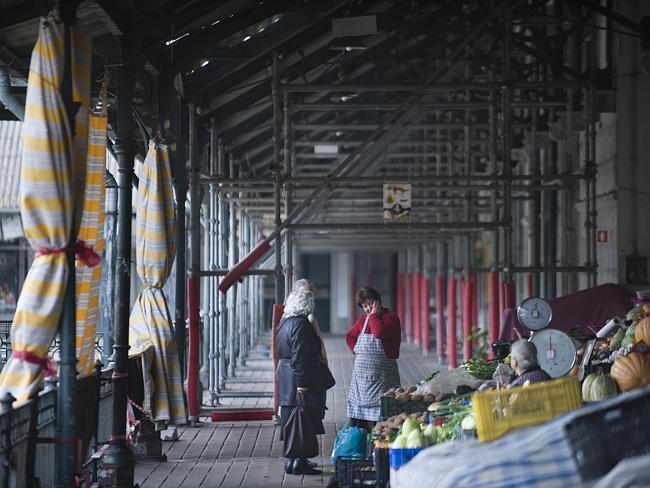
408	303
416	307
440	317
493	310
510	298
474	300
400	297
451	322
193	305
467	319
425	321
278	310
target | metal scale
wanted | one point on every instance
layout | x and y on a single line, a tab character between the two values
556	352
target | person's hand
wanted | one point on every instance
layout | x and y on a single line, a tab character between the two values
376	308
300	390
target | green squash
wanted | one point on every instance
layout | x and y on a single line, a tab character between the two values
615	341
586	387
628	339
602	387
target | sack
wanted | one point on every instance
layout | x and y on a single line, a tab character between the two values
350	442
299	437
327	377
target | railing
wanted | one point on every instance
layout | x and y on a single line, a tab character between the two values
27	433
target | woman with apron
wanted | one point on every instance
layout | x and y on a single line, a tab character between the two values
375	339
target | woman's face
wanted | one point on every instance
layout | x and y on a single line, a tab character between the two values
368	305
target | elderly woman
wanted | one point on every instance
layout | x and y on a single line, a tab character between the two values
523	360
375	339
299	369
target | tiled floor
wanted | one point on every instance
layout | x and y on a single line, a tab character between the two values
248	454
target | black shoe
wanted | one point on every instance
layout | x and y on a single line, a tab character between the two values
301	467
288	466
310	463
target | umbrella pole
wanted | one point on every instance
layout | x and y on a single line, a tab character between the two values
66	429
117	462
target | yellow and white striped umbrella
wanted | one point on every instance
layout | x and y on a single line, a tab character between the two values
92	233
150	322
51	188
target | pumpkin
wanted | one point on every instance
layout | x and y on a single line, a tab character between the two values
602	387
586	387
642	331
631	371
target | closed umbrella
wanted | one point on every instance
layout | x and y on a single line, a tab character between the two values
150	325
51	189
91	232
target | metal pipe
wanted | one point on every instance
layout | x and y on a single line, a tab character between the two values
232	293
453	87
108	291
506	111
288	202
221	263
213	316
194	283
593	174
249	272
117	462
461	105
277	180
398	226
7	98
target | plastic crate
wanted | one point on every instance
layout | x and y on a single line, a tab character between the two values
381	461
352	472
498	412
391	406
600	439
400	457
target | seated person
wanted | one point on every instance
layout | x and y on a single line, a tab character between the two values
523	360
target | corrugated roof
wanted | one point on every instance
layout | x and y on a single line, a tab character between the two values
11	149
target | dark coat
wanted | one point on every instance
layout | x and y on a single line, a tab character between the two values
299	349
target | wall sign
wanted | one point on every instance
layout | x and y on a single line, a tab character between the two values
397	202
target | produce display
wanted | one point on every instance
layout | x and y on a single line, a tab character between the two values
409	394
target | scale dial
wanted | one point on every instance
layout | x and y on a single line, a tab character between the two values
556	352
534	313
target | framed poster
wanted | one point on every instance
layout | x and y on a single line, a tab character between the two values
397	202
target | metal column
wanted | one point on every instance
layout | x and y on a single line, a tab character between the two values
277	180
232	260
222	263
213	238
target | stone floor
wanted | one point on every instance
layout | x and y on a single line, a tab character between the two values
248	454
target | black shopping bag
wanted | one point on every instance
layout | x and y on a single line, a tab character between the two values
299	437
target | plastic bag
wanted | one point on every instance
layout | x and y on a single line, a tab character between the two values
446	382
502	375
350	442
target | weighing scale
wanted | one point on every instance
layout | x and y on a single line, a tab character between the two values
556	352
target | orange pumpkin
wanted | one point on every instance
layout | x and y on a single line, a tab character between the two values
631	371
642	331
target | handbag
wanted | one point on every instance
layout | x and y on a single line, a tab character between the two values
299	437
327	378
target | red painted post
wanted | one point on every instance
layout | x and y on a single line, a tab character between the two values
425	321
400	297
193	305
416	306
467	319
451	322
278	309
510	299
502	297
408	314
474	300
440	317
493	309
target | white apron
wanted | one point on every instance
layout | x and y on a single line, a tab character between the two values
373	374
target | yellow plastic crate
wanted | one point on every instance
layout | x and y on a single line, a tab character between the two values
498	412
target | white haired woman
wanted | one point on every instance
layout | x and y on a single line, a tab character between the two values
299	369
523	360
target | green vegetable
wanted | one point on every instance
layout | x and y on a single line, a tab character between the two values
429	433
628	339
480	368
399	442
415	440
602	387
615	341
469	422
409	425
586	387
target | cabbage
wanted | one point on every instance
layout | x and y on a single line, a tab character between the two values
415	439
409	425
469	422
429	434
399	442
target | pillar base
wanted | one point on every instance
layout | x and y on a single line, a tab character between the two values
148	445
116	466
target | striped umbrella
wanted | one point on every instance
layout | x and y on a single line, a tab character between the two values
150	322
92	233
51	188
